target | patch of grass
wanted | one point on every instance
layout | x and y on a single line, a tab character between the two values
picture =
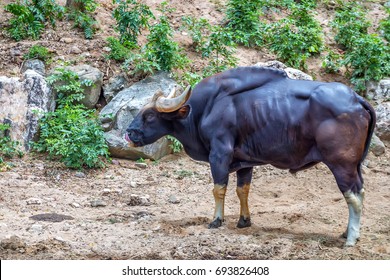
37	52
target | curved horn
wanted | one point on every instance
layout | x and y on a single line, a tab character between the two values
167	105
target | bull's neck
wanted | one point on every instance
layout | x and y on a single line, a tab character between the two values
186	131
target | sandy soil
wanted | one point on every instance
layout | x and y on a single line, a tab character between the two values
162	211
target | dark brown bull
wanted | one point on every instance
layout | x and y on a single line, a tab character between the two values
252	116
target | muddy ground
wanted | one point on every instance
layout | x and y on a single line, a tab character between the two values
161	211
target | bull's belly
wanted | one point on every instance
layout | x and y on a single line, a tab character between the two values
292	157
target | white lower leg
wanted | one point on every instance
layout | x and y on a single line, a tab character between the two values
219	196
355	205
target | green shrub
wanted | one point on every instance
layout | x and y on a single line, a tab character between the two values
131	16
385	26
175	145
219	48
243	20
369	60
71	133
82	15
350	24
29	17
296	37
160	51
215	43
332	62
37	52
367	56
8	148
199	29
118	51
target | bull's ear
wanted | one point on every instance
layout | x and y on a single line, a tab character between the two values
179	114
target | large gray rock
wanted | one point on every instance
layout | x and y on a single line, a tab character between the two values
115	85
34	64
92	93
291	72
120	112
379	91
383	121
376	146
23	103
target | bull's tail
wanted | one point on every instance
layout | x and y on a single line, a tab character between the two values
367	106
371	126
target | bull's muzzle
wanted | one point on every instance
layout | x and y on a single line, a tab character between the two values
129	142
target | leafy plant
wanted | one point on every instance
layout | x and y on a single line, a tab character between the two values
71	133
296	37
332	62
369	60
160	51
37	52
8	148
29	17
82	15
367	56
220	49
175	145
350	23
214	43
131	17
385	26
118	51
199	29
243	21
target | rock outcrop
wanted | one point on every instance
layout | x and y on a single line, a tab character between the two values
22	103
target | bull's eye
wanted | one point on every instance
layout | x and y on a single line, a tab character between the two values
149	117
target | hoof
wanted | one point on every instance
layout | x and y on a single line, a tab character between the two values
243	223
216	223
350	243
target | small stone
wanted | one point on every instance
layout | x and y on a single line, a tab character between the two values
98	203
34	201
173	199
36	228
106	49
59	238
79	174
75	50
145	200
137	200
115	162
141	165
133	184
66	227
75	205
66	40
106	191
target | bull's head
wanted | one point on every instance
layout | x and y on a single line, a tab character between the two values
156	119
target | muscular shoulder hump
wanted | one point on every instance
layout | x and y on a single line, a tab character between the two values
241	79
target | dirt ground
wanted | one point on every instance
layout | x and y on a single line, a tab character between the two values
161	210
